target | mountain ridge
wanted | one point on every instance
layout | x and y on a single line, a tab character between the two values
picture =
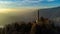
51	13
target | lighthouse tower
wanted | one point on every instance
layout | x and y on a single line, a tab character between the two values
37	20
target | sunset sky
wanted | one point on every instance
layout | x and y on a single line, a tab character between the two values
8	5
15	8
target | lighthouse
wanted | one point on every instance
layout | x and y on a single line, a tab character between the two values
37	20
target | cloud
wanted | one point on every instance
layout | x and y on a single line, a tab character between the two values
22	3
12	4
50	0
6	4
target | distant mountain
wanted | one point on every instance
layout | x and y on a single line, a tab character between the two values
51	13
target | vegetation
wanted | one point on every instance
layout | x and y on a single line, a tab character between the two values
45	26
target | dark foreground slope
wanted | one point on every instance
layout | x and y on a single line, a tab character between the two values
47	27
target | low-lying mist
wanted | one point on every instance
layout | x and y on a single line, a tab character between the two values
17	15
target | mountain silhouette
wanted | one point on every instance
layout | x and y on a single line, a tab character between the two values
51	13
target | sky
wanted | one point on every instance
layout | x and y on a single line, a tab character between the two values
29	3
20	6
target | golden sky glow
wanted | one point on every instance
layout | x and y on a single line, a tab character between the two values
9	15
4	10
15	10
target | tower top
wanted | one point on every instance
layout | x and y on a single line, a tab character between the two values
37	20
